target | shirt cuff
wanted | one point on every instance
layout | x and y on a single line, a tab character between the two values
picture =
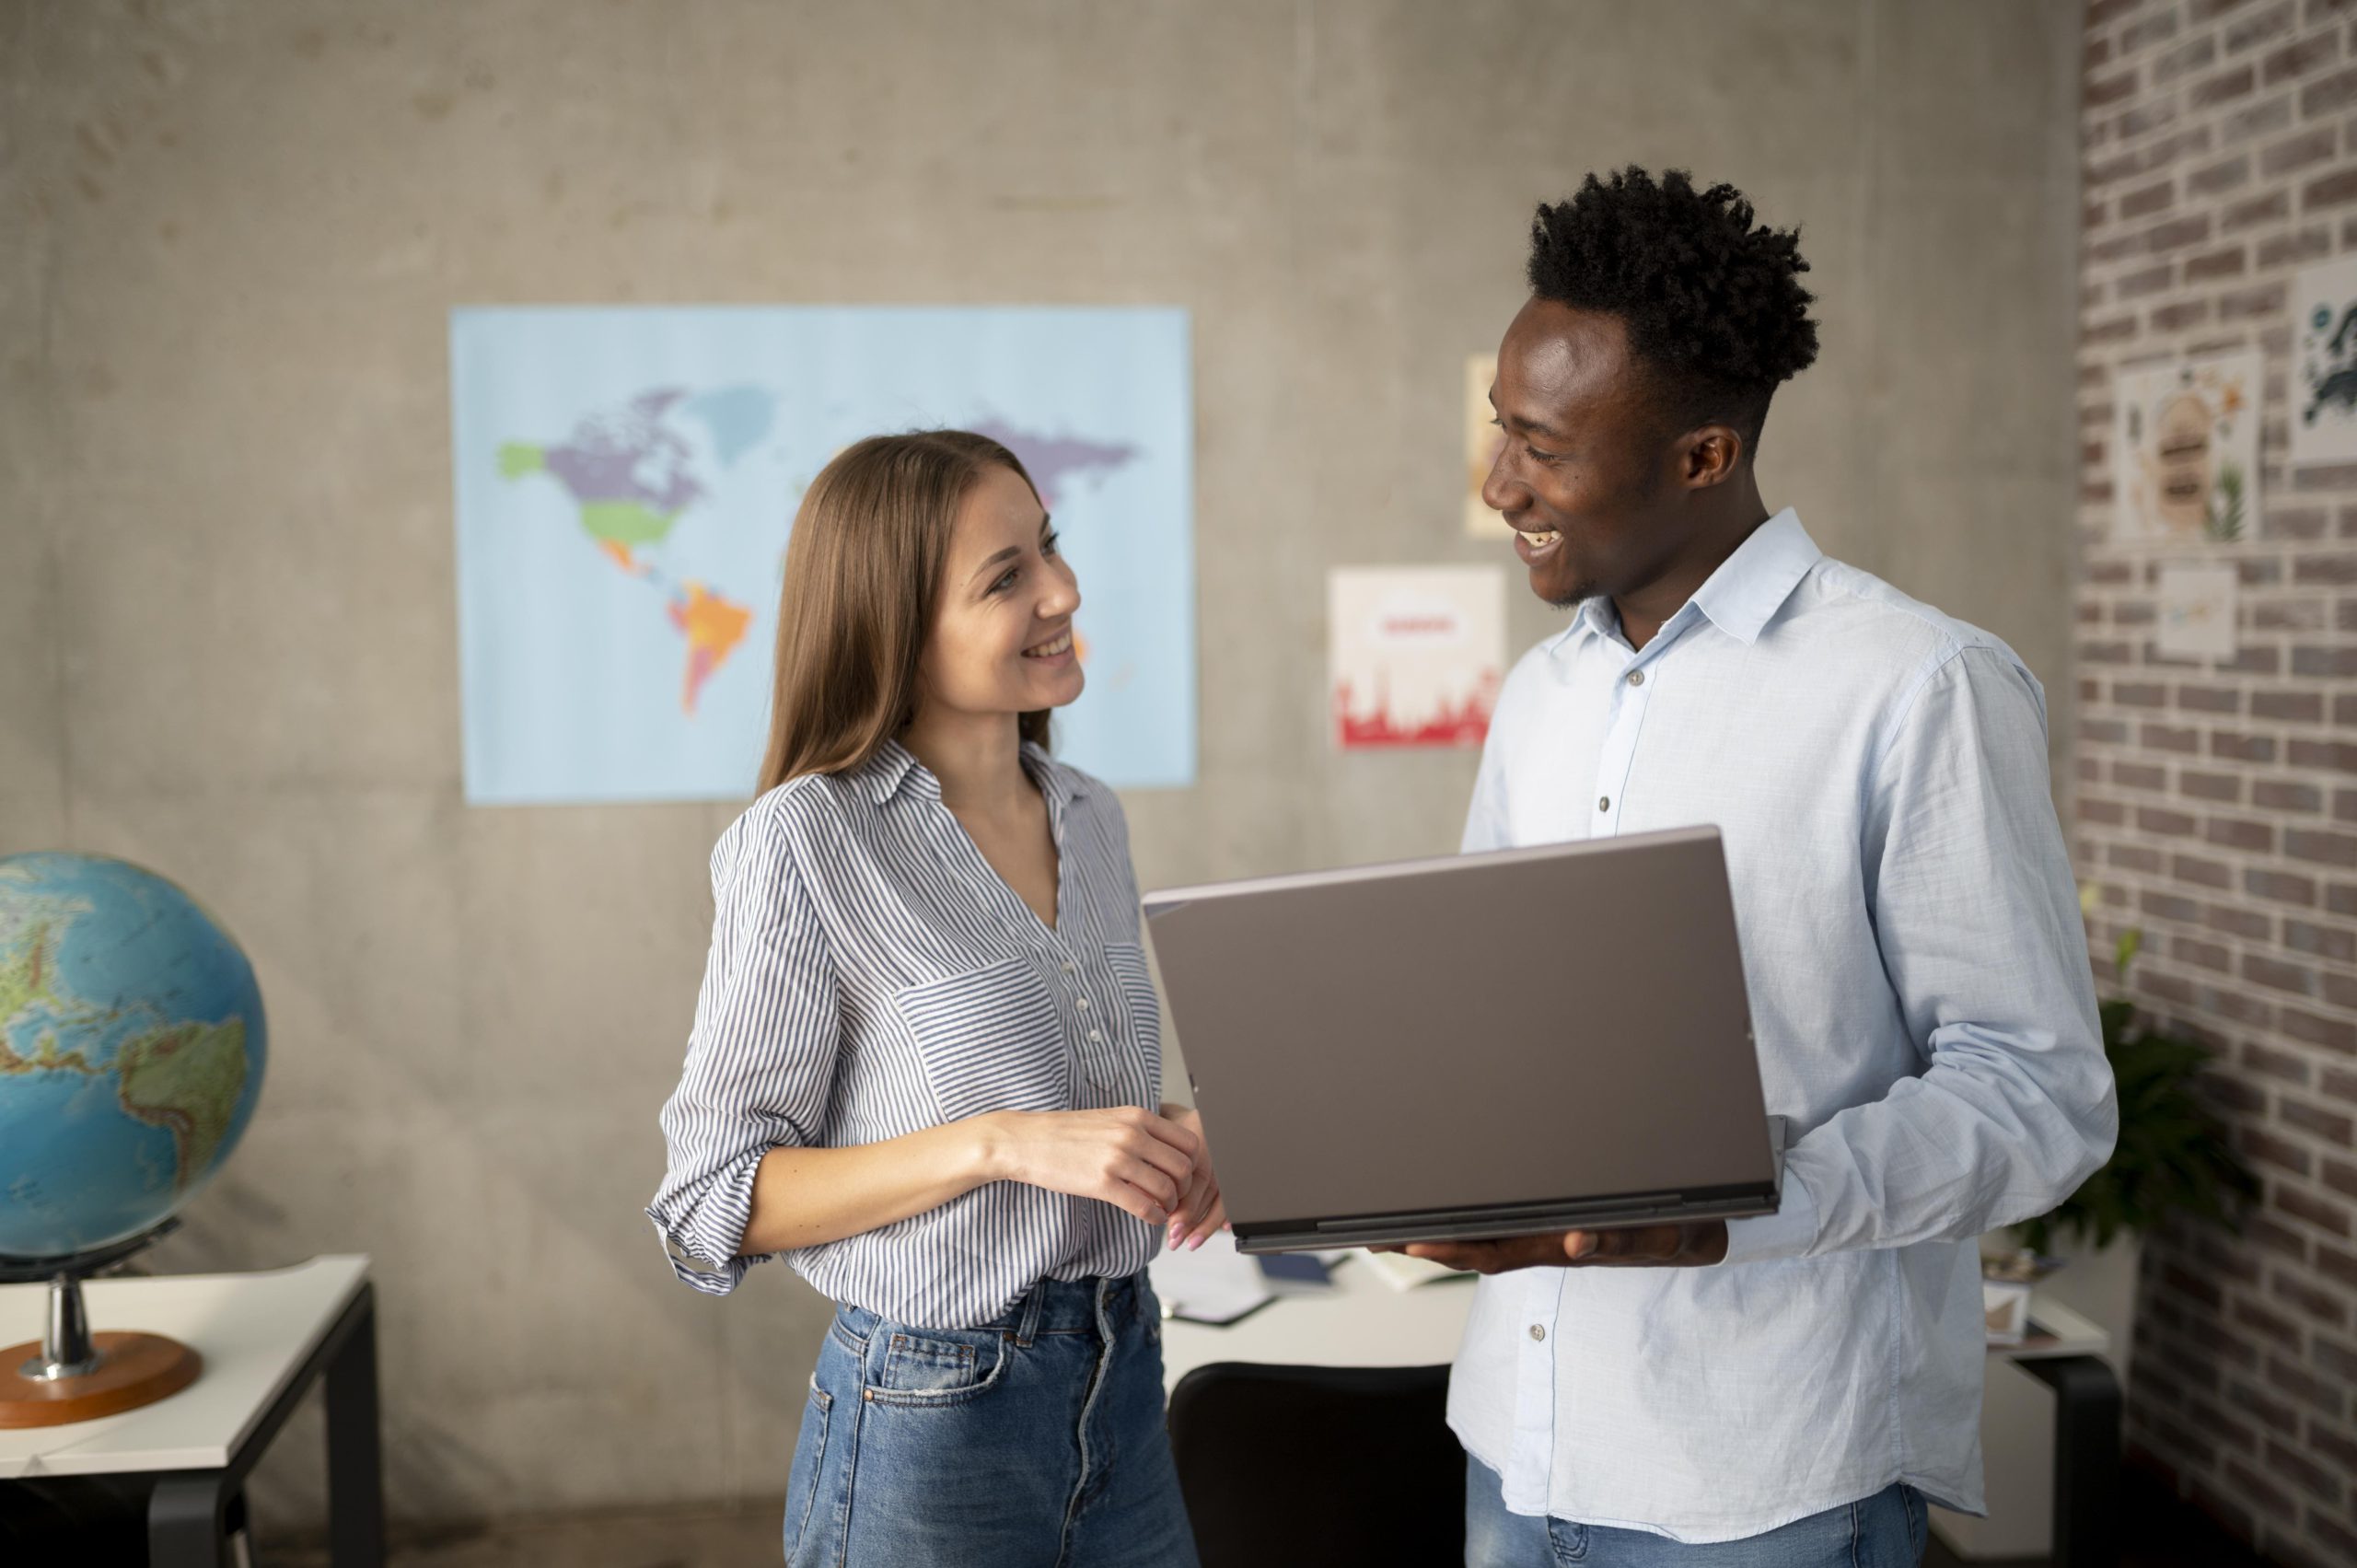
1790	1232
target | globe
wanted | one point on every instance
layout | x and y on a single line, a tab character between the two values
131	1046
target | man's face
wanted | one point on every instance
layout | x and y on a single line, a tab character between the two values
1585	472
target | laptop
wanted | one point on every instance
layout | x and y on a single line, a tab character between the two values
1477	1046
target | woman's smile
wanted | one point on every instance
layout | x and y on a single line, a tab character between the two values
1055	648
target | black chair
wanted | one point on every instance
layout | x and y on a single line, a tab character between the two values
1296	1465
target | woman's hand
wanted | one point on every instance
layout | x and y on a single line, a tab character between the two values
1127	1157
1204	1210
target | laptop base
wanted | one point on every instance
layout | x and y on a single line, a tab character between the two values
1394	1230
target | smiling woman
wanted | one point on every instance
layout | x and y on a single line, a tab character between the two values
925	1059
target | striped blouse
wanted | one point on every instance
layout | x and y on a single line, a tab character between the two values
870	975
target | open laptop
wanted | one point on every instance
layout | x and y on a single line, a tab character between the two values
1484	1045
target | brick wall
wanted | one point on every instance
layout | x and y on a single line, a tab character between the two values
2215	803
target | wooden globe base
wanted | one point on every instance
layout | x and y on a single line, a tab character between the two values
139	1369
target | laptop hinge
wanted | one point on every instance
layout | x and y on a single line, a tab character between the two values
1503	1212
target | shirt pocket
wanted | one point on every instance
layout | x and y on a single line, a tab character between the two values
989	1039
1127	960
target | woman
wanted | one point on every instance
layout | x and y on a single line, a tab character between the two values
925	1056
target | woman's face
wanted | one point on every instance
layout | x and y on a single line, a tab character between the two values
1002	638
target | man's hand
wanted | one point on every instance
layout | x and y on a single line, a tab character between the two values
1638	1246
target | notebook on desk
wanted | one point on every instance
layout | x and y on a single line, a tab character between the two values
1477	1046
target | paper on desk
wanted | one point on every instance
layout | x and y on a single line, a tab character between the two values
1215	1284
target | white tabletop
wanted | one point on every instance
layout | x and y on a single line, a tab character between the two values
2056	1331
1356	1321
1362	1321
253	1331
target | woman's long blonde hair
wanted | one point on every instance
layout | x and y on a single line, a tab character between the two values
863	571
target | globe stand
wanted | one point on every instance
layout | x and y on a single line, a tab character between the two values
71	1374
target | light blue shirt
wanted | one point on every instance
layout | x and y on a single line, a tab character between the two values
1925	1016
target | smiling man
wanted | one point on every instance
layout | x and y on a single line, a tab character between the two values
1788	1390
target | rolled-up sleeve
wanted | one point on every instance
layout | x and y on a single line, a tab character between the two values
1979	926
761	1054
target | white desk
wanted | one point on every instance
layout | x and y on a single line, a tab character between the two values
265	1338
2050	1425
1357	1321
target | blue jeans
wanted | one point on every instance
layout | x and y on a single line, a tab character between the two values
1882	1531
1033	1442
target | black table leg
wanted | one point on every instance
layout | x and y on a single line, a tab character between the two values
2086	1458
356	1484
186	1519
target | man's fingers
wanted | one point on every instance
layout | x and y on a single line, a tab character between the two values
1491	1257
1641	1244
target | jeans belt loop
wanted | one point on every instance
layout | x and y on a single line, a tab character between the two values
1026	1328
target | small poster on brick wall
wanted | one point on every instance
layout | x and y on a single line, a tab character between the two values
2185	449
2324	364
2195	615
1418	654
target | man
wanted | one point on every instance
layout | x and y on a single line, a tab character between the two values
1785	1389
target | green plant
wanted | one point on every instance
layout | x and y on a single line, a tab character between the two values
2173	1156
2225	526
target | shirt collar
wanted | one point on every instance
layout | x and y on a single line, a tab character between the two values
1752	585
1740	597
894	765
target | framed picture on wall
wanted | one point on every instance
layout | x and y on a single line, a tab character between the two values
1482	440
2185	449
1417	654
2324	364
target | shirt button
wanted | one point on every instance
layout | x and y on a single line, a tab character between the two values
1604	803
1081	1003
1636	677
1068	968
1539	1330
1096	1037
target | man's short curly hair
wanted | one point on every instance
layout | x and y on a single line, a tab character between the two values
1713	304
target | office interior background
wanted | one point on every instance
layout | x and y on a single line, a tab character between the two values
232	232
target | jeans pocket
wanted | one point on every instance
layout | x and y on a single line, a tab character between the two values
990	1040
921	1369
1567	1541
809	1464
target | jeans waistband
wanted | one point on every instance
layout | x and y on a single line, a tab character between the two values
1066	1306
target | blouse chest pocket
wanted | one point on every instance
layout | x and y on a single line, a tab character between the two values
989	1039
1127	960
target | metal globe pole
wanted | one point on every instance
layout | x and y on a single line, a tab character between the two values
66	1350
72	1375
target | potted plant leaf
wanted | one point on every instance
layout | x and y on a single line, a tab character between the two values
2174	1156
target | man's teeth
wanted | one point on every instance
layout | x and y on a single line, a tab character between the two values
1050	650
1538	540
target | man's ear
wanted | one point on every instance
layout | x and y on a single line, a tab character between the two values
1710	455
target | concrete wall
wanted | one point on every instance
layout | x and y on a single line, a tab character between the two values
229	234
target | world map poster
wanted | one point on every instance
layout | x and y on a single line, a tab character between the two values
626	479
